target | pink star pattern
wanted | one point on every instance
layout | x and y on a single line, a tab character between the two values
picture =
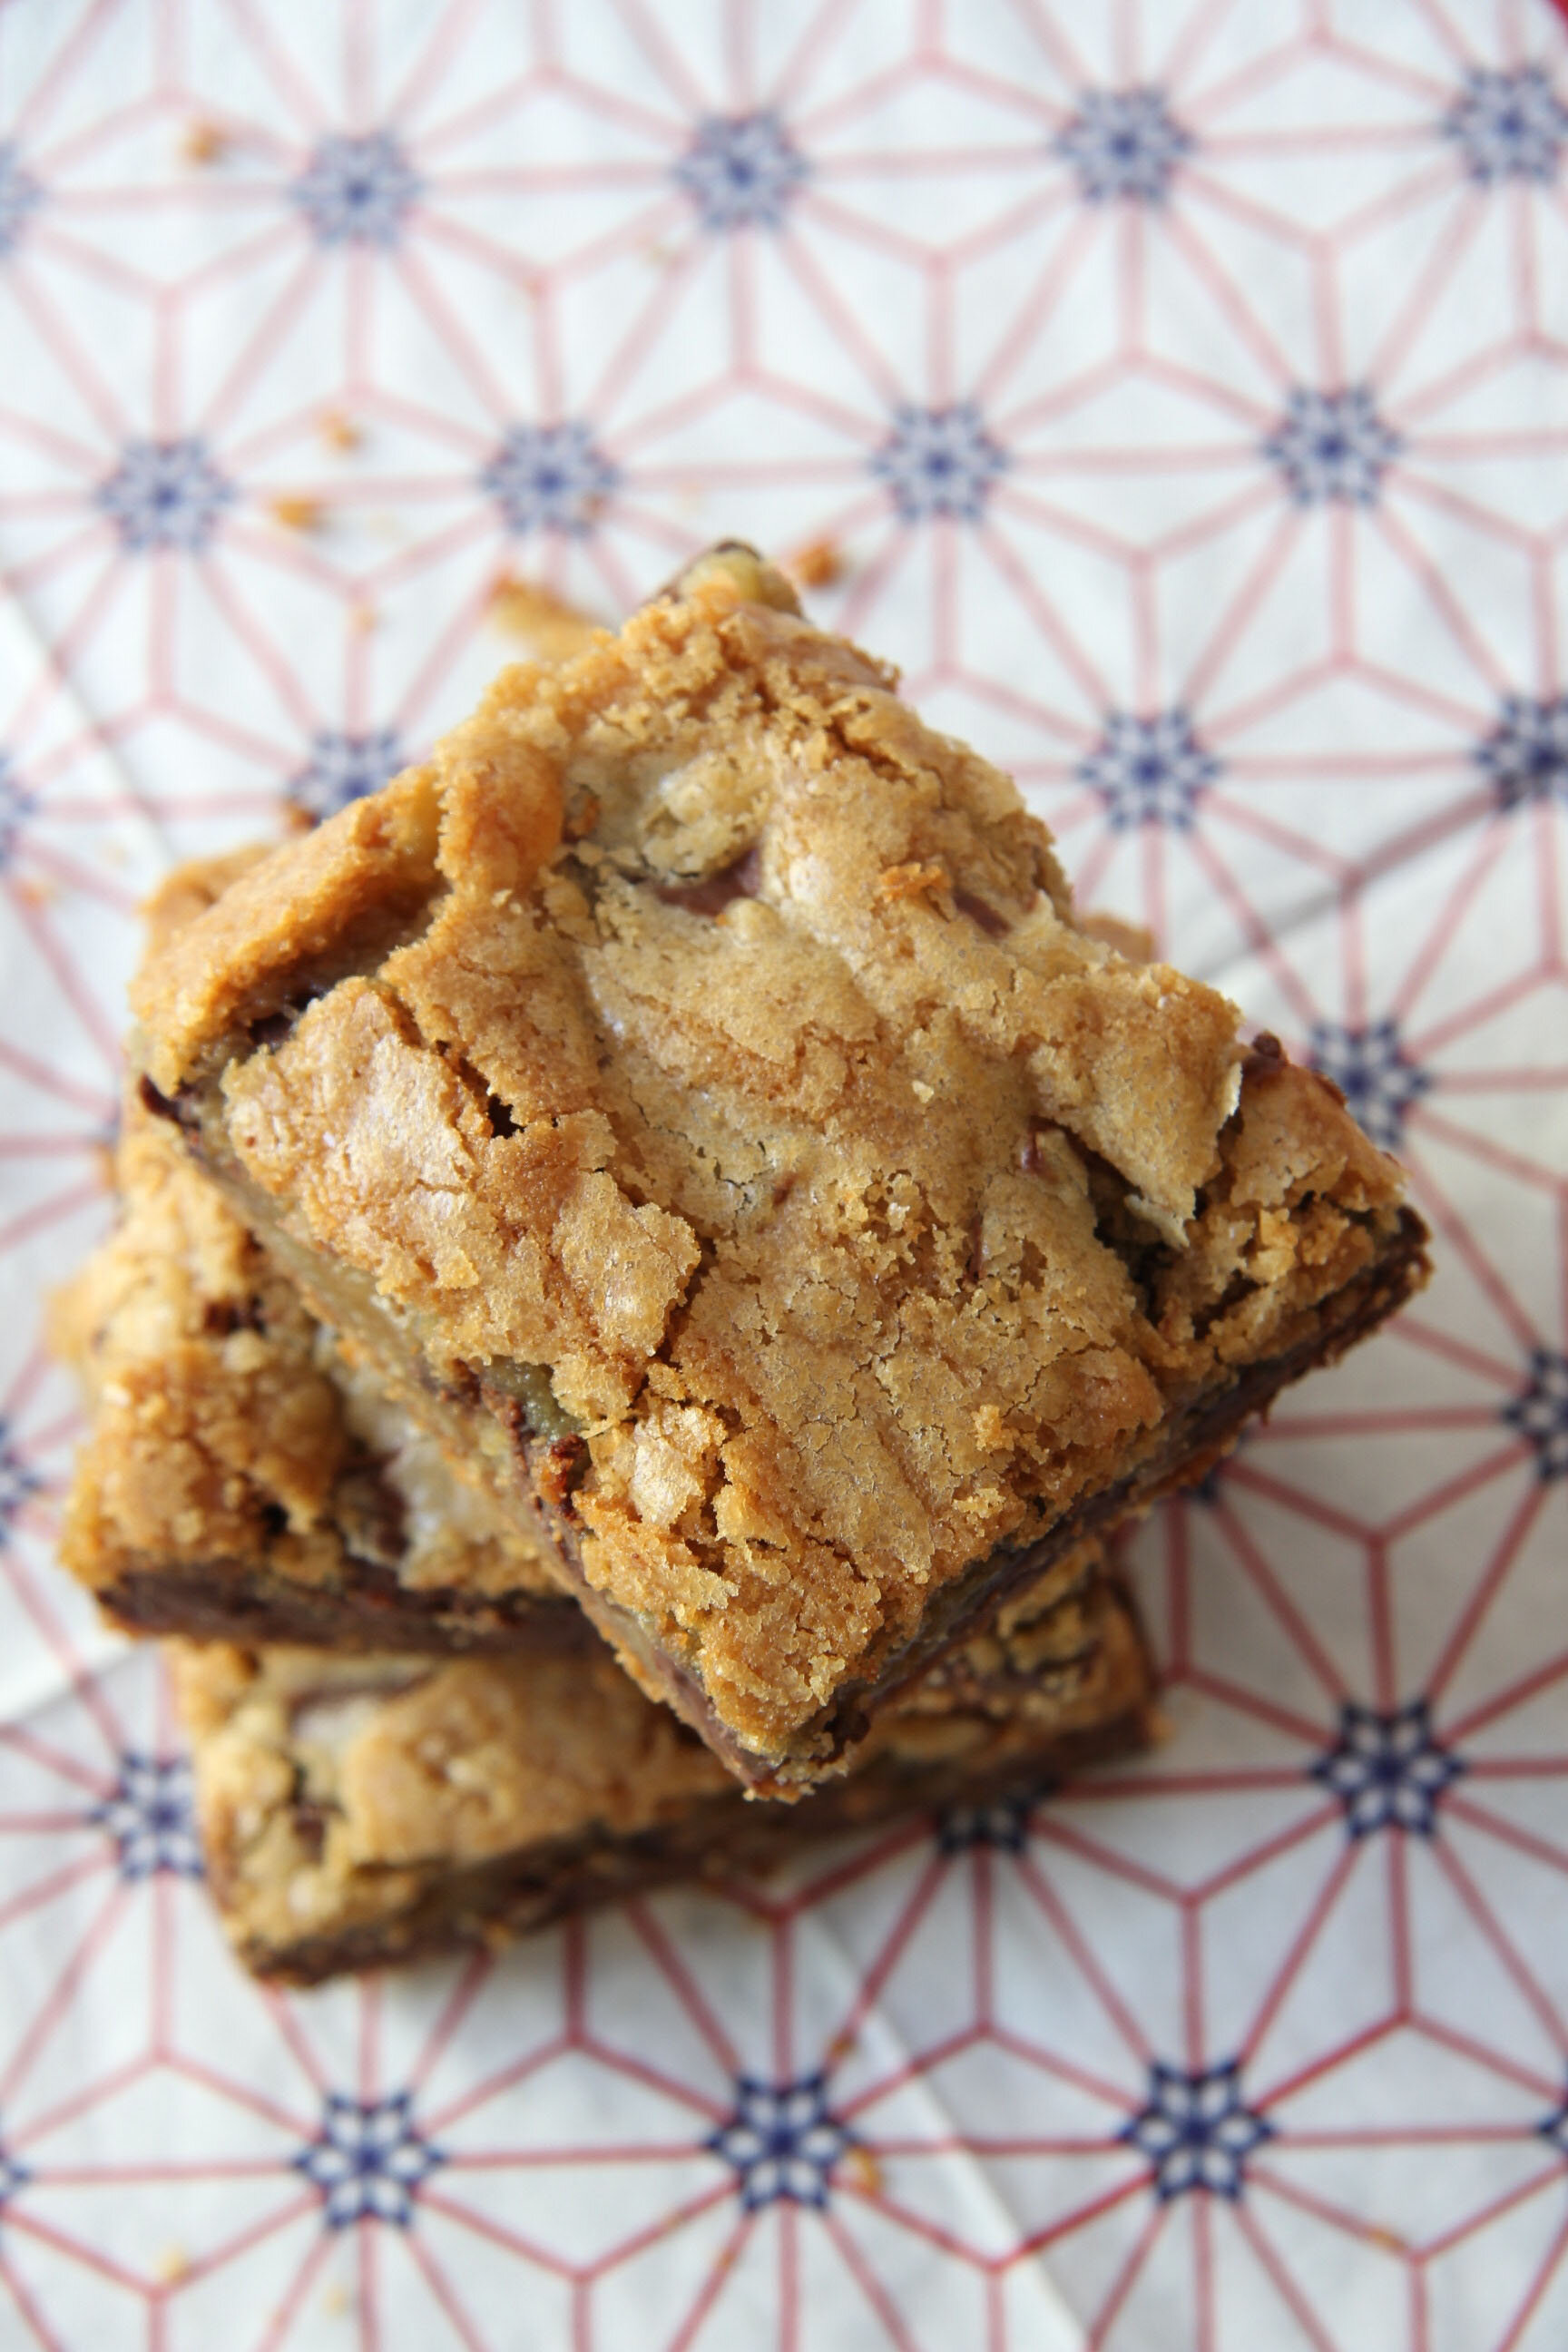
1180	393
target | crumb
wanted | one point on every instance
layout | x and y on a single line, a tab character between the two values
1134	941
363	618
525	608
203	142
335	2302
990	1428
864	2171
912	881
340	431
296	513
819	565
170	2265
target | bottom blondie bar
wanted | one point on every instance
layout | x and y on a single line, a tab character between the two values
356	1811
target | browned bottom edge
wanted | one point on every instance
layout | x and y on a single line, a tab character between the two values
231	1601
1197	1439
725	1837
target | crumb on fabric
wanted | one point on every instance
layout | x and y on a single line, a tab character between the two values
296	513
203	142
554	628
820	564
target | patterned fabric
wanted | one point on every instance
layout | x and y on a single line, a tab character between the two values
1333	444
164	494
1149	770
741	171
368	2161
357	190
344	767
783	2140
1176	391
149	1816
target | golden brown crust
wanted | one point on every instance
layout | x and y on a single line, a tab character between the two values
744	1070
239	1470
360	878
189	890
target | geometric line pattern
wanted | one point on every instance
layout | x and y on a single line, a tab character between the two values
1177	393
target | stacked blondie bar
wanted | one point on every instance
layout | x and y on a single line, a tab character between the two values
654	1250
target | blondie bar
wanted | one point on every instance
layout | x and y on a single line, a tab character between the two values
694	1093
241	1478
360	1811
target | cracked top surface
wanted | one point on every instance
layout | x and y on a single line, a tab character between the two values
701	1026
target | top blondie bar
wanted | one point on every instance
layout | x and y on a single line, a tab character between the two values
694	1091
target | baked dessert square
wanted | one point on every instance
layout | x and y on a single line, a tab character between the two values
241	1479
357	1811
693	1093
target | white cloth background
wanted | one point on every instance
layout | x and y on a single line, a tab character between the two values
1183	385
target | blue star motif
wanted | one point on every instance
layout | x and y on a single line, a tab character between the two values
1508	126
1196	2131
1526	754
18	1482
939	461
1370	1069
19	195
783	2140
1553	2128
357	189
14	806
1333	445
1388	1770
741	171
166	494
151	1818
369	2160
1123	144
14	2175
1539	1411
1149	771
549	478
344	768
1003	1824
